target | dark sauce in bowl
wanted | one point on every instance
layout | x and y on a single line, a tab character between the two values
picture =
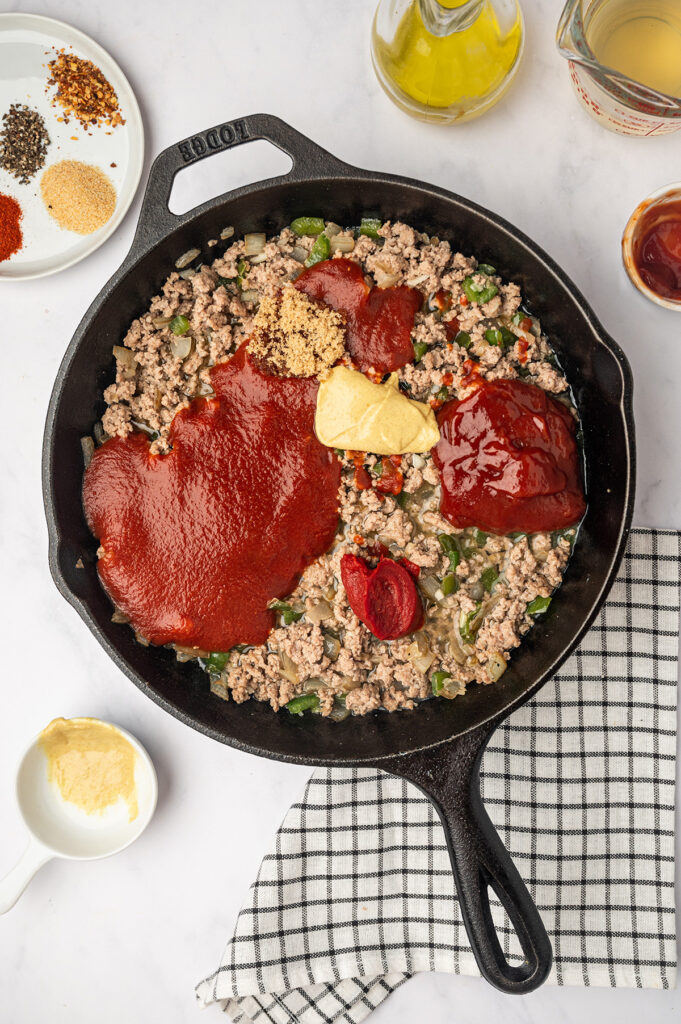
657	249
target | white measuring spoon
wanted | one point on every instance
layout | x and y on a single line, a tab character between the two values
58	829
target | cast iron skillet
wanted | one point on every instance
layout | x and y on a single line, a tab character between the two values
439	745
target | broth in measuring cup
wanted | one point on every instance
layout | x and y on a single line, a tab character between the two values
641	39
625	62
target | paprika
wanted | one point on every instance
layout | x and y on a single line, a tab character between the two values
11	238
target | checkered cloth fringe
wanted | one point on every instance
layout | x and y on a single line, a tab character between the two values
357	894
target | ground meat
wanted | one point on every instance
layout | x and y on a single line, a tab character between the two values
470	630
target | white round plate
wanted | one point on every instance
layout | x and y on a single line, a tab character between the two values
27	43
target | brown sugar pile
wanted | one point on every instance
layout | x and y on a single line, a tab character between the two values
79	196
83	91
295	336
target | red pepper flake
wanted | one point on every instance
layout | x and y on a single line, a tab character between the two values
463	301
526	324
523	345
358	539
83	91
448	379
11	238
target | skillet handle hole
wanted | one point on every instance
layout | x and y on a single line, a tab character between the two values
203	180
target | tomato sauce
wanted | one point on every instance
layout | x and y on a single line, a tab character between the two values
658	253
198	541
508	460
380	321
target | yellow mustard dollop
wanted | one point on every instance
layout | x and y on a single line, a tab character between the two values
353	413
91	762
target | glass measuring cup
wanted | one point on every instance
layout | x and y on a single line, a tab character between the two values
620	103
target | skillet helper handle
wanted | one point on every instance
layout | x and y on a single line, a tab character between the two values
449	776
309	161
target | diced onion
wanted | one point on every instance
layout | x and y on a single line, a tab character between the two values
254	243
288	669
120	617
226	233
415	281
181	347
452	688
455	648
342	243
88	446
338	713
99	433
331	646
161	321
313	684
250	295
430	585
385	278
186	258
299	253
187	653
260	258
187	274
331	229
318	612
143	427
127	364
496	666
418	462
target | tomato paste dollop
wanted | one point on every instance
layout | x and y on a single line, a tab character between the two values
508	460
196	542
386	598
380	321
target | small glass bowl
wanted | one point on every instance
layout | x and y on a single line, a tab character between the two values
669	193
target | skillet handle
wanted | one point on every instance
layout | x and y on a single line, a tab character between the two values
156	220
449	775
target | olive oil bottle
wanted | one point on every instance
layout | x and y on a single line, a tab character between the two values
446	60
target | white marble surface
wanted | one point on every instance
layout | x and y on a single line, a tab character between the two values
125	939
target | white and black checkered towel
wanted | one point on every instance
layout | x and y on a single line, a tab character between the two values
357	894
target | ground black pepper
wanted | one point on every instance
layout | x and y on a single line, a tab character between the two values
23	142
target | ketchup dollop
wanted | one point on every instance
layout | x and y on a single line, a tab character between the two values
385	599
508	460
380	321
658	253
198	541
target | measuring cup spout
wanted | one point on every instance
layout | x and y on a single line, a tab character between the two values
570	36
14	883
